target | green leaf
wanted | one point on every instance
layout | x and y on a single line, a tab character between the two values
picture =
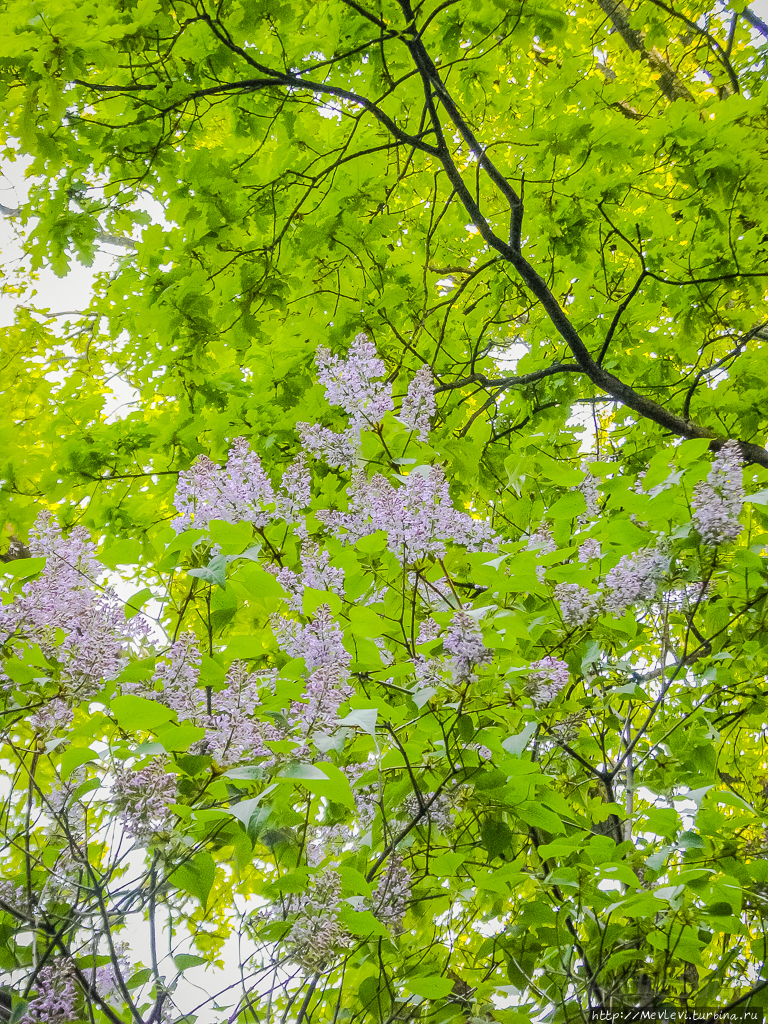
430	987
184	961
139	714
73	757
569	506
135	603
323	779
196	876
20	568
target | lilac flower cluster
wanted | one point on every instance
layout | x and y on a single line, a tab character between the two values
635	578
75	621
542	543
320	644
392	894
295	491
439	812
577	604
718	500
589	489
546	678
317	573
105	978
241	492
141	798
56	997
179	676
232	734
316	932
590	551
418	406
464	640
52	717
419	517
353	383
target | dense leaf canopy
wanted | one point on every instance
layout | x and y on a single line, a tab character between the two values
445	698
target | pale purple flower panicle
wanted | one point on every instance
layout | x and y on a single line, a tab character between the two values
232	735
141	798
239	493
335	449
94	643
542	543
317	573
546	678
392	894
718	500
295	490
437	812
464	640
577	604
419	404
428	630
419	517
327	661
316	933
53	716
635	578
105	978
589	489
179	676
353	382
56	997
590	551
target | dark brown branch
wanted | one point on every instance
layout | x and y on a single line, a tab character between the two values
507	382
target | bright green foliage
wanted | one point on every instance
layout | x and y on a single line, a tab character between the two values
284	175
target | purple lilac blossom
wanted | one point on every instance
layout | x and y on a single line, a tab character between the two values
53	716
67	597
464	640
179	677
590	551
56	997
239	493
635	578
353	382
418	406
392	895
327	660
718	500
317	573
419	517
295	491
232	735
338	450
546	678
589	489
577	604
316	932
142	797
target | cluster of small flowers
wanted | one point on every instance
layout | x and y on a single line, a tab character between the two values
14	896
439	812
316	932
392	894
464	640
324	841
546	678
56	997
240	493
435	595
567	729
542	543
366	797
428	630
577	604
327	660
590	551
295	492
589	489
430	672
419	517
51	717
179	676
317	573
232	735
718	500
635	578
142	797
419	406
96	635
105	978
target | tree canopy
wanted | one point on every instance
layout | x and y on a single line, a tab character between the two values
404	641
